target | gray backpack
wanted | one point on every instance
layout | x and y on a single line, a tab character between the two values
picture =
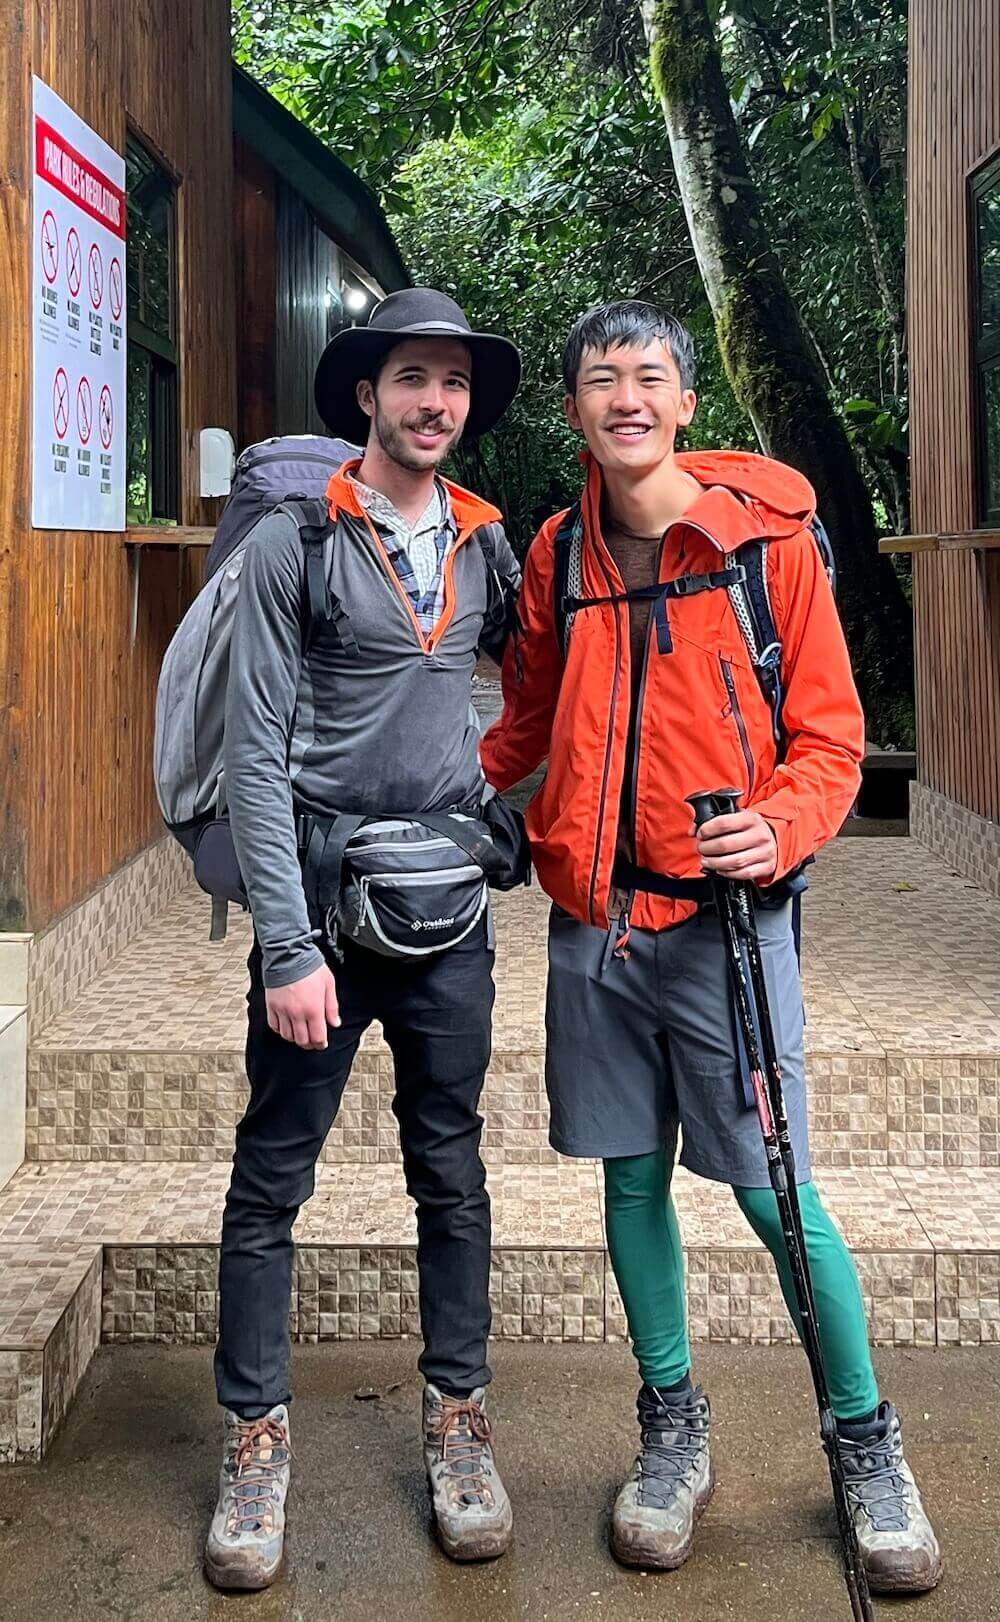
291	475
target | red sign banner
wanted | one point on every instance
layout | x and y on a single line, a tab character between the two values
59	163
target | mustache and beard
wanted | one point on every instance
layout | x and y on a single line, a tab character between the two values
391	437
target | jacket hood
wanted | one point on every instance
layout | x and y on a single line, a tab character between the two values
745	496
782	500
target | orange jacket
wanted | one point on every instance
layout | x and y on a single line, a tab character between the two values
691	735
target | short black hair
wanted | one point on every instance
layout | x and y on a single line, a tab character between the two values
631	323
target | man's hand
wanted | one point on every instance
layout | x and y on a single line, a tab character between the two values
742	846
302	1011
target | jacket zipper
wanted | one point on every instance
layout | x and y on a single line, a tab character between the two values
637	727
737	714
608	746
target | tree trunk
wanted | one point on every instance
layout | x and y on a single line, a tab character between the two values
775	373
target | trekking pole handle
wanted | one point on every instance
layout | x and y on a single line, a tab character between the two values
716	802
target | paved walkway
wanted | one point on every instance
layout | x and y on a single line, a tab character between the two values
111	1525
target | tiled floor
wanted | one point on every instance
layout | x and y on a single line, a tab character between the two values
899	956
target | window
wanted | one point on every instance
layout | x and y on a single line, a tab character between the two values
986	336
153	460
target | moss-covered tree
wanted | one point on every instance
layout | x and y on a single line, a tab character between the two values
770	359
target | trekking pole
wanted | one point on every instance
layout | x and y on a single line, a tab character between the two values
735	904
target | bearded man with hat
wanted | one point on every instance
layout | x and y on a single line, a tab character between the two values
424	580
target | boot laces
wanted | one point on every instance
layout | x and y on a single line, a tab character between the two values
462	1431
674	1435
261	1451
874	1482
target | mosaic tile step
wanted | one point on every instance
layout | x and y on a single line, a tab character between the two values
865	1110
926	1242
50	1320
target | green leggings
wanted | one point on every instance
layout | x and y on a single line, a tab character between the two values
645	1245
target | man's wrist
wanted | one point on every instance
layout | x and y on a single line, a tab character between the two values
290	973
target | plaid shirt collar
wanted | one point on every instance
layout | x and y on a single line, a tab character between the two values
427	542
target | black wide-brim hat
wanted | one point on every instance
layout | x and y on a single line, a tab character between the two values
415	312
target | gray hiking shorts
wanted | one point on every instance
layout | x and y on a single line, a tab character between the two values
638	1048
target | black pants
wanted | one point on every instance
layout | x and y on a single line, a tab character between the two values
436	1013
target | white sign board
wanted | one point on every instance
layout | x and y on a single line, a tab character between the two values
78	323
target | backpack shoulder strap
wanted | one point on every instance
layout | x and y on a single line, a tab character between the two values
489	537
321	607
751	604
567	583
503	582
825	548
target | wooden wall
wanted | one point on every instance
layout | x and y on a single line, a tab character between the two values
76	693
284	259
954	125
256	294
306	260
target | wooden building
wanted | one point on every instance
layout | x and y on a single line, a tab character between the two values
245	237
953	301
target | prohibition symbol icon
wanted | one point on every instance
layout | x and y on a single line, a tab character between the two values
74	261
95	276
84	410
107	416
60	403
50	246
115	288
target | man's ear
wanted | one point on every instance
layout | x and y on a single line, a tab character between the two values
365	393
572	415
686	409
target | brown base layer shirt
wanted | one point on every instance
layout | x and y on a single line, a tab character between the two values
637	561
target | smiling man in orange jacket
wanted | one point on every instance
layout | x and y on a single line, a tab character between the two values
639	669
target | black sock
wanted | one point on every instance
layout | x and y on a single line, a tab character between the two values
673	1390
860	1425
248	1415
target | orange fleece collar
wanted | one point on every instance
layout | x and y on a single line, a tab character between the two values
468	510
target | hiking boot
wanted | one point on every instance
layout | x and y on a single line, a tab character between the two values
247	1535
656	1512
471	1507
898	1546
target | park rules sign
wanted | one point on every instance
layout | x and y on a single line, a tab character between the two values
78	323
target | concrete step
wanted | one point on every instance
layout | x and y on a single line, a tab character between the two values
901	967
50	1320
926	1242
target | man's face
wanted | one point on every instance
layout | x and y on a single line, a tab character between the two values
629	404
420	402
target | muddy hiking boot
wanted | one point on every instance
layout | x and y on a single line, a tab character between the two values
247	1535
471	1507
655	1514
898	1546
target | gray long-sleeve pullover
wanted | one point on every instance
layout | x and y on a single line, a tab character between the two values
389	729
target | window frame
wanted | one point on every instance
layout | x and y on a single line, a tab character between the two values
985	353
163	356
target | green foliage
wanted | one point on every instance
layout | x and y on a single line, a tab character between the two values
521	154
